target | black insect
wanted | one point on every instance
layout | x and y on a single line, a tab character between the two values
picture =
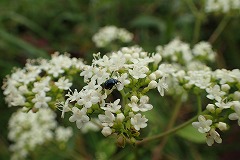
110	83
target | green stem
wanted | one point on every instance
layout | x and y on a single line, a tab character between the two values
199	14
124	98
158	150
219	29
199	103
169	132
192	7
197	29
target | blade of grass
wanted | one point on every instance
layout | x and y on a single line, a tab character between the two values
31	50
26	22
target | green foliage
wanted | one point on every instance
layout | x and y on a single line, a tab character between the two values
191	134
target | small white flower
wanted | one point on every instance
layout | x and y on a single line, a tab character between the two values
203	125
15	99
63	134
42	86
63	61
138	121
236	114
138	71
213	136
200	78
87	73
55	70
28	130
204	50
134	106
73	96
64	107
41	100
108	34
176	51
63	83
222	6
88	98
23	89
79	116
162	85
224	76
112	107
157	58
107	119
215	93
124	35
122	81
223	105
100	75
144	105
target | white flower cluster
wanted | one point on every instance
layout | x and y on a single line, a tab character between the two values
180	52
130	72
33	85
108	34
222	88
28	130
133	73
222	6
183	63
189	73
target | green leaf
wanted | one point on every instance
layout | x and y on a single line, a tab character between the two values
191	134
148	21
105	149
14	40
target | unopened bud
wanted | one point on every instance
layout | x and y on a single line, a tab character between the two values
211	108
222	126
152	84
225	87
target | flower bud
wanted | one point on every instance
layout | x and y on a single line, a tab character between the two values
210	108
135	55
152	84
222	126
157	58
143	54
152	76
106	131
120	117
134	99
158	73
236	95
225	87
121	141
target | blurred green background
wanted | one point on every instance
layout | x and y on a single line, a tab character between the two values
32	29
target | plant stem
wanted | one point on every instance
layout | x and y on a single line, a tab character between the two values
198	14
197	28
158	150
169	132
199	103
219	29
124	97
